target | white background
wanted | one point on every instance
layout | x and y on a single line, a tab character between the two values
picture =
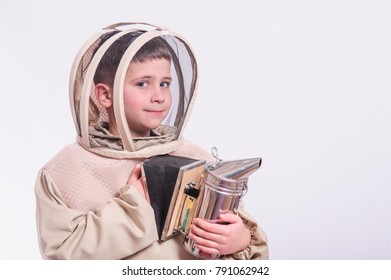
303	84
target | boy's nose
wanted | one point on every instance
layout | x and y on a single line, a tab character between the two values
157	95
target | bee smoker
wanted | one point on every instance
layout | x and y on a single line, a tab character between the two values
180	189
222	185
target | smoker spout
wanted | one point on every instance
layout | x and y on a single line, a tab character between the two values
237	169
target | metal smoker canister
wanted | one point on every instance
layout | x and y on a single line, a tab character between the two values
223	184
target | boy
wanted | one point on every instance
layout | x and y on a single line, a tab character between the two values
131	94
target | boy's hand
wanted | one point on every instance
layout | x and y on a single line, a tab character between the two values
135	179
218	238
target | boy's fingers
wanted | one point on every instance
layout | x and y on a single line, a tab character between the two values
209	227
229	218
136	173
203	237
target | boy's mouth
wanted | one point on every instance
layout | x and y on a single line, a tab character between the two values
155	112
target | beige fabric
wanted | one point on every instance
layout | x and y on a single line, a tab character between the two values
85	210
101	137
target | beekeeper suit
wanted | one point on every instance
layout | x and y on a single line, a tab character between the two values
85	209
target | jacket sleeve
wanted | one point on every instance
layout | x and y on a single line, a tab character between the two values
258	248
116	230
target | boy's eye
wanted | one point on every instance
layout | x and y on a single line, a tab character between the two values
142	84
165	84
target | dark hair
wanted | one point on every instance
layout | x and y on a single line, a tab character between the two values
156	48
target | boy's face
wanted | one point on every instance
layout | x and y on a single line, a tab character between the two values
147	95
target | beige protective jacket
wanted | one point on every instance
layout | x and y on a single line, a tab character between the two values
85	210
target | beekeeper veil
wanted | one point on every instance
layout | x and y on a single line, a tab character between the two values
89	116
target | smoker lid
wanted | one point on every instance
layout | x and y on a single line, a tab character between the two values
231	174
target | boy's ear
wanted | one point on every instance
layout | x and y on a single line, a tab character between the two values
104	95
